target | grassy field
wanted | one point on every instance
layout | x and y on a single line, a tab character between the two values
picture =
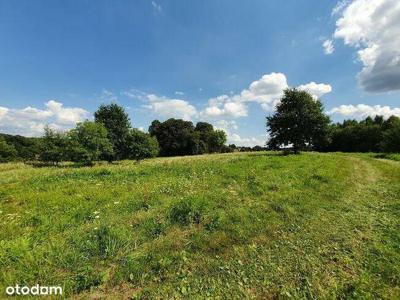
257	225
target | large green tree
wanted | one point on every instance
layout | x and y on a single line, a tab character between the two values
89	142
175	137
117	123
299	122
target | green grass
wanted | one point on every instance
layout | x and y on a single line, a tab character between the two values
242	225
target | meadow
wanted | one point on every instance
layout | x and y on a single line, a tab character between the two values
230	226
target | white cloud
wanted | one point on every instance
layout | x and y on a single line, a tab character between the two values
164	106
65	116
316	89
170	108
156	6
328	47
373	28
339	7
179	93
361	111
234	138
30	121
3	112
248	142
265	91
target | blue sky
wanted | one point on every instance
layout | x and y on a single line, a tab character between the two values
59	60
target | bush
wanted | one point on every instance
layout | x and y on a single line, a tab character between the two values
54	146
141	145
88	142
7	151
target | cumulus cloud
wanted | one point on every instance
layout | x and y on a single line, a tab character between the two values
230	127
339	7
169	108
373	28
265	91
328	47
30	121
164	106
65	116
362	111
317	90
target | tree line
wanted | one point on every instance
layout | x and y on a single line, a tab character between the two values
300	123
111	137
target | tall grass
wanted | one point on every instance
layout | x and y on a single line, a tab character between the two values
235	225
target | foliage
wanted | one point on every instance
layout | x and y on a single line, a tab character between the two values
216	141
141	145
391	140
175	137
7	151
368	135
241	225
116	121
299	121
179	137
54	145
28	148
89	142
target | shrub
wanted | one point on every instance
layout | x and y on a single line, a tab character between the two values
7	151
89	142
54	146
141	145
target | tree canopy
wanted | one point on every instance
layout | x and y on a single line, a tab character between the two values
7	151
299	122
117	122
89	142
141	145
179	137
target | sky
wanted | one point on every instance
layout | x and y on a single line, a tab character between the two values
222	61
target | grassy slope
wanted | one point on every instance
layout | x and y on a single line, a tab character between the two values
237	225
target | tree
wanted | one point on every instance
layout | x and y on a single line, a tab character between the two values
204	131
153	129
53	146
141	145
299	121
116	121
175	137
28	148
89	142
216	140
391	140
7	151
